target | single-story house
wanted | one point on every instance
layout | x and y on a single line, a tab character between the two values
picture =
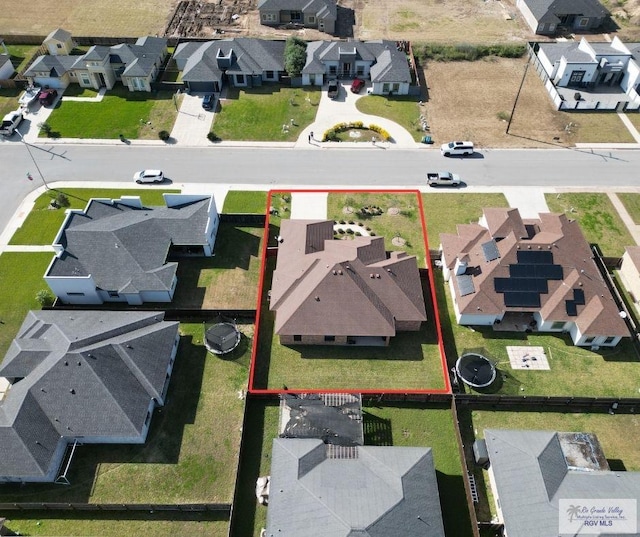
320	14
136	66
550	17
384	62
321	490
342	292
92	377
241	62
630	273
59	43
530	275
119	250
537	476
6	67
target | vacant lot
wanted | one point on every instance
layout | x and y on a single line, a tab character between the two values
119	18
470	21
473	101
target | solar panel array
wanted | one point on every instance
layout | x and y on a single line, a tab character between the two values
572	305
465	284
490	250
528	279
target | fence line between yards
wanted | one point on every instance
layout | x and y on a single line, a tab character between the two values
117	507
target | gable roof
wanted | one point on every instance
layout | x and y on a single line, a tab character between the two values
139	59
558	242
547	11
321	286
59	35
55	65
327	7
370	491
533	470
79	374
124	248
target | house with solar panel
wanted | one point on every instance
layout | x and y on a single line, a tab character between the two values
538	478
123	251
342	292
529	275
73	378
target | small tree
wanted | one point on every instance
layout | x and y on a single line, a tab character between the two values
44	298
62	200
164	135
295	56
45	127
213	137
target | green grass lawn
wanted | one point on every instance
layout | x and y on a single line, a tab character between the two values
120	112
598	127
245	201
9	100
42	224
631	202
260	113
444	211
229	279
21	54
575	371
76	90
105	524
597	217
260	428
420	426
21	277
191	452
406	224
403	109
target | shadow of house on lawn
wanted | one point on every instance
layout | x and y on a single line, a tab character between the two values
377	431
235	247
162	446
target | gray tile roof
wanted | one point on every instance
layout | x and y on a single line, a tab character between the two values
139	59
125	248
306	6
371	492
59	35
57	65
548	10
79	374
4	59
533	470
345	288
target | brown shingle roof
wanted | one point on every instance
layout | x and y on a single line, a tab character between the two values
322	286
554	233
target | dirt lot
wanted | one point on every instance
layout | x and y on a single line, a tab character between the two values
473	100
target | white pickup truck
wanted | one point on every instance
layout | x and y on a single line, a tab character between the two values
10	122
443	178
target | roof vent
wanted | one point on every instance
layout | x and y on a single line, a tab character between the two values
334	272
116	245
340	272
539	247
66	363
528	247
388	270
317	298
72	391
371	276
378	276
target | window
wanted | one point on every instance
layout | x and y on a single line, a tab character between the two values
296	16
360	70
297	338
557	325
385	88
85	79
312	19
269	74
332	69
577	76
113	294
58	45
395	87
584	22
75	294
329	338
589	340
269	17
609	340
240	79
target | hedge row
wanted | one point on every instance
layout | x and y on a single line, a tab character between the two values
465	52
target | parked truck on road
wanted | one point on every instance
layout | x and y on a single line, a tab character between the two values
443	178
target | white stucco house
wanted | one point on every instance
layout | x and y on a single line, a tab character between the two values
120	250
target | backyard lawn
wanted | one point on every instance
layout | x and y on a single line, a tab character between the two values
9	100
42	224
191	453
21	277
135	115
229	279
631	202
404	110
245	201
597	217
266	113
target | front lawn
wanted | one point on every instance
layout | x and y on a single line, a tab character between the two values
120	112
191	452
403	109
229	279
21	277
597	217
266	113
245	201
42	224
417	425
631	202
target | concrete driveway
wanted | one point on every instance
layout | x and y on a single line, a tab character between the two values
193	122
343	109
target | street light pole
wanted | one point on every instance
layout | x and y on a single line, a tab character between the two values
26	144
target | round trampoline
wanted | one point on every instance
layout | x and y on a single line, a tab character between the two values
222	338
476	370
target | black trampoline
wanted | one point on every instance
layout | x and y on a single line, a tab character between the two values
476	370
222	338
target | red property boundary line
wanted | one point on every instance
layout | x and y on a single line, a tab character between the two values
254	351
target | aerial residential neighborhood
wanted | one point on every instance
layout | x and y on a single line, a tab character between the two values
320	267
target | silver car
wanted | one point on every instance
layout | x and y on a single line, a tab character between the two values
148	176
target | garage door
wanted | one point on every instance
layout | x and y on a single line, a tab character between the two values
201	87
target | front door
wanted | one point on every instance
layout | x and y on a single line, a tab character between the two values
102	81
346	69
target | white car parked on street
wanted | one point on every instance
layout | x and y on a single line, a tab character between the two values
148	176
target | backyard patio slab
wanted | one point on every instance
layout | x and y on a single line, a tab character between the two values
528	358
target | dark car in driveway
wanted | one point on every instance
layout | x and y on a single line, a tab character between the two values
207	101
333	89
47	96
357	85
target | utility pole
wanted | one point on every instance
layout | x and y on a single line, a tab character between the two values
33	159
513	110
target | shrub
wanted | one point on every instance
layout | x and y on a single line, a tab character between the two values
350	231
358	234
295	56
343	222
62	200
341	231
45	127
164	135
466	52
44	298
503	116
351	222
330	136
383	133
213	137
